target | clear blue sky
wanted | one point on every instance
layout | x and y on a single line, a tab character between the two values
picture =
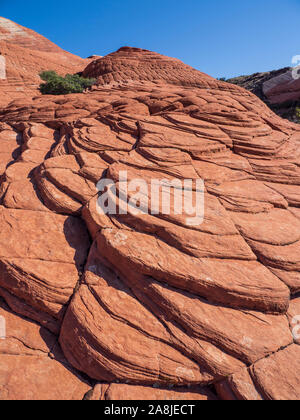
221	38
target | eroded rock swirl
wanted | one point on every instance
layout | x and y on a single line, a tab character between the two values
147	300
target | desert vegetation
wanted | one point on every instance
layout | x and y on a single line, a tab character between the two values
55	84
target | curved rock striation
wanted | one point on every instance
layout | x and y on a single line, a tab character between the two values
150	300
135	64
32	366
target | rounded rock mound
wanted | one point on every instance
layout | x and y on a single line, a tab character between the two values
136	64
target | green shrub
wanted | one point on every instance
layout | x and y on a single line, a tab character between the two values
58	85
298	114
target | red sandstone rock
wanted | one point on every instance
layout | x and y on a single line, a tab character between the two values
272	378
28	368
134	64
277	376
117	392
155	301
239	386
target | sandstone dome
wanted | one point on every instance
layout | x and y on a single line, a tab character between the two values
136	64
147	306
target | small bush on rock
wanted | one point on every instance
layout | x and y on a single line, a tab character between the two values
298	114
58	85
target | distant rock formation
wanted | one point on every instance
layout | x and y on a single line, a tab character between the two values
278	89
95	57
148	306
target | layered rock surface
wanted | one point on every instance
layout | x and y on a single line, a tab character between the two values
32	365
137	300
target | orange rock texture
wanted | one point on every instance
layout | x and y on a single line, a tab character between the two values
149	306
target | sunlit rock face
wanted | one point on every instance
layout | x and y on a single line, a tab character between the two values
135	64
13	33
148	305
24	54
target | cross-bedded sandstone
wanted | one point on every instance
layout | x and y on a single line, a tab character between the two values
153	301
